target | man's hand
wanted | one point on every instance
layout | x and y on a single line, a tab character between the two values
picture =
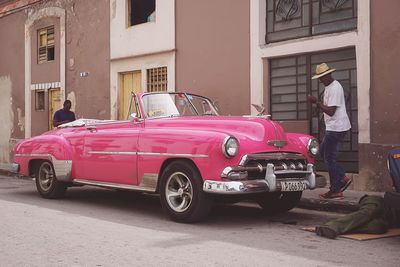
312	99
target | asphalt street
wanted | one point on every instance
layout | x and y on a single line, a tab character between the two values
100	227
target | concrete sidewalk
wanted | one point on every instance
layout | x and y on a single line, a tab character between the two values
311	200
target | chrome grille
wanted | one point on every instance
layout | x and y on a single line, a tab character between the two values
286	165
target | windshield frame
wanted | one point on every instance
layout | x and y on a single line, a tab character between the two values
145	116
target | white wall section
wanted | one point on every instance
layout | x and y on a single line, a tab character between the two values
146	38
141	47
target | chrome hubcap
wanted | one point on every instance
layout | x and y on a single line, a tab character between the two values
179	192
46	176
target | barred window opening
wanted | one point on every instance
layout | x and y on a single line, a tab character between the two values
291	19
157	79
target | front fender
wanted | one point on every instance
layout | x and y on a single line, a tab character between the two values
53	148
204	148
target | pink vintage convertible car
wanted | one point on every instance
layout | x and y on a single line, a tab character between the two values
177	145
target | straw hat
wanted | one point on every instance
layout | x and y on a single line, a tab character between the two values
321	70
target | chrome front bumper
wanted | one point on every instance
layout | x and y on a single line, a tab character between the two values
9	167
271	183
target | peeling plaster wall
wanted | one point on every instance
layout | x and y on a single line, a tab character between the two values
87	33
6	118
12	120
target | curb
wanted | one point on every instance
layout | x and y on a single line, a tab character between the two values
341	206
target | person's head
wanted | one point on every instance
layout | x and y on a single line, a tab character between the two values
67	105
323	73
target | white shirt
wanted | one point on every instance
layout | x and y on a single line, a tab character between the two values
334	96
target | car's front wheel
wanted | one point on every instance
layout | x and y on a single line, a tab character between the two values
278	202
46	182
181	192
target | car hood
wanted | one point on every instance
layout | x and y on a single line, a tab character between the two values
254	128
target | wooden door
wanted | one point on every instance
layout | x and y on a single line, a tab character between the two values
130	83
54	104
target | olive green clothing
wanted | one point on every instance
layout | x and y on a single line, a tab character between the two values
370	218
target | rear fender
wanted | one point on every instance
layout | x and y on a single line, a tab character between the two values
53	148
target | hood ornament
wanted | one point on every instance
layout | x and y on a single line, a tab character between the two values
277	143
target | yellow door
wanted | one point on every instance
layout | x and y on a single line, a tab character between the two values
130	82
54	104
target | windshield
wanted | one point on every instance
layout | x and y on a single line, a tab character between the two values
176	104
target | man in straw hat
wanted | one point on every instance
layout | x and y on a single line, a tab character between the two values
337	124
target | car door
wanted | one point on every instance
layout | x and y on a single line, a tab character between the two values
111	152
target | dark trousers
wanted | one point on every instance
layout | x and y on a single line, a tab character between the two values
369	219
329	150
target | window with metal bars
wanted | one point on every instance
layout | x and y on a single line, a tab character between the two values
290	19
46	44
157	79
290	83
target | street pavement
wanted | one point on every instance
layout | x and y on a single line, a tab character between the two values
99	227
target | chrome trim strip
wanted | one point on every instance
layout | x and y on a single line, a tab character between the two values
35	155
112	185
172	155
148	154
112	153
62	168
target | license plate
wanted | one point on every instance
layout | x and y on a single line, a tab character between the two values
293	186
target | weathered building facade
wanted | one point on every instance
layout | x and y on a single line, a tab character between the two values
235	52
51	51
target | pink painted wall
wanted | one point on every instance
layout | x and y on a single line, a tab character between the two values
385	62
213	52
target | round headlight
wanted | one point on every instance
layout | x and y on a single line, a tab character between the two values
230	147
313	146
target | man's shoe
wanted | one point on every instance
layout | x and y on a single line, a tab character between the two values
325	231
345	183
332	195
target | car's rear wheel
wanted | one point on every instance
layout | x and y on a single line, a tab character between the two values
46	182
278	202
181	192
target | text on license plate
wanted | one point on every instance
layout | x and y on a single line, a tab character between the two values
293	186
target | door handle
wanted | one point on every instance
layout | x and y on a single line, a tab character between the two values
91	128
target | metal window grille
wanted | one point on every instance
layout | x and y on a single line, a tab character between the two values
290	19
290	83
46	45
289	88
157	79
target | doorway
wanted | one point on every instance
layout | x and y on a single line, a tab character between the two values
54	104
131	82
